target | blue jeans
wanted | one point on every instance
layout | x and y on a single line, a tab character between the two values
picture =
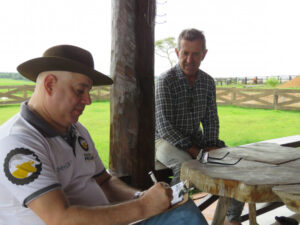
185	214
235	210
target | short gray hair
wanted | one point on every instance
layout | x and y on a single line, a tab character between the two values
191	35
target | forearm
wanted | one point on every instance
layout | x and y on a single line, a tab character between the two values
155	200
54	209
211	133
116	190
123	213
211	126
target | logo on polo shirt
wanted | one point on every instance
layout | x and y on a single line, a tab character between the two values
83	144
22	166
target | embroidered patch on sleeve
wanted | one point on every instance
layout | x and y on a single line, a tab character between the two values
83	144
22	166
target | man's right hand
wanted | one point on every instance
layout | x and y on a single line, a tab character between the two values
156	199
193	151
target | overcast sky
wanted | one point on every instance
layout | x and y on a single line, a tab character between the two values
244	37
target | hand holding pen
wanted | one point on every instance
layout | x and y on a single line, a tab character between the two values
152	176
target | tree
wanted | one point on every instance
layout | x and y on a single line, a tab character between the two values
165	48
272	82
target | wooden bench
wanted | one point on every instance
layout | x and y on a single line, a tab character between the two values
162	172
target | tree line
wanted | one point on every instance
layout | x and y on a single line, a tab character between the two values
14	76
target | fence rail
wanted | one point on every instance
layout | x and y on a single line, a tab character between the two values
255	98
282	99
18	94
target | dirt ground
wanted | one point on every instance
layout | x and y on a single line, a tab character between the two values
292	83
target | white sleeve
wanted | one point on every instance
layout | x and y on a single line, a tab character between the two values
27	171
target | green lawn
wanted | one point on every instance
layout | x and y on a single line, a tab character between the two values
96	119
11	82
247	125
238	125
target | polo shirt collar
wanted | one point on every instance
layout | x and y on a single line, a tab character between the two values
37	121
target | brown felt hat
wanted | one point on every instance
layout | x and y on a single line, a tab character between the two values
64	58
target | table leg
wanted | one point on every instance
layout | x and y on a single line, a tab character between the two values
221	210
252	214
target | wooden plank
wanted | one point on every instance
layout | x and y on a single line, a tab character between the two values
224	96
291	141
260	98
295	163
264	152
256	95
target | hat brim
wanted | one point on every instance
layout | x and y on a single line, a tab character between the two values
31	69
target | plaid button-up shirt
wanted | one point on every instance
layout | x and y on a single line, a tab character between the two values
180	109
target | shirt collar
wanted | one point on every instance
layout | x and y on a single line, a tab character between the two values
181	75
37	121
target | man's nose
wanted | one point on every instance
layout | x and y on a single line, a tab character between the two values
86	99
189	58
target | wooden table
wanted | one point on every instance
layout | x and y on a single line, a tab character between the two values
264	166
290	195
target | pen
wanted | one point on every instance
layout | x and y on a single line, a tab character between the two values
153	178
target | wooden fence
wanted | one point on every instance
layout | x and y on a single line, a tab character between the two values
18	94
225	81
284	99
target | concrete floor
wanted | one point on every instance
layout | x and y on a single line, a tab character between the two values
269	217
264	219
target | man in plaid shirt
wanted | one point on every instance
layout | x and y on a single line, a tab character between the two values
185	97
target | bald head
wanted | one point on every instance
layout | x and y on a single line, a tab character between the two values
60	97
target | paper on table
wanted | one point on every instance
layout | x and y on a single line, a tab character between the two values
178	196
178	193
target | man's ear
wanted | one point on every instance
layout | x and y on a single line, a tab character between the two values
177	52
49	82
204	54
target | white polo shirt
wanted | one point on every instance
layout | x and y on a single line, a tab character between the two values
35	159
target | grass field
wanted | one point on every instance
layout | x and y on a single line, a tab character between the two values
238	125
247	125
11	82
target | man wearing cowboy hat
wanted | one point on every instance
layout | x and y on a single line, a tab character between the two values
50	170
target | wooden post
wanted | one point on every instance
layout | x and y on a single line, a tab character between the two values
233	95
275	99
132	94
252	214
220	213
